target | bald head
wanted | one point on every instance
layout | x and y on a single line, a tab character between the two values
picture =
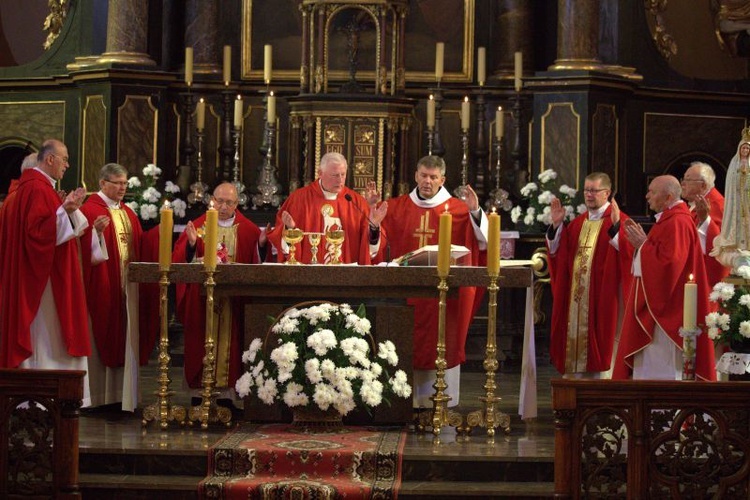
662	192
225	200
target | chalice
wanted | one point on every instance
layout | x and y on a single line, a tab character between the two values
292	237
314	239
335	237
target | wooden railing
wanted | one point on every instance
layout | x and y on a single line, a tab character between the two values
39	412
651	439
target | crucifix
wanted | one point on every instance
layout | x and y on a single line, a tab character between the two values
423	232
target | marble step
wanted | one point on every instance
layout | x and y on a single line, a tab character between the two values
436	490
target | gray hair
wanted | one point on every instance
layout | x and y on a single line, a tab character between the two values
49	148
706	172
29	162
112	169
332	159
432	161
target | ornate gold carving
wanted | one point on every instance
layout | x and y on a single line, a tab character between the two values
58	11
665	43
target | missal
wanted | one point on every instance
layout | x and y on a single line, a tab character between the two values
428	256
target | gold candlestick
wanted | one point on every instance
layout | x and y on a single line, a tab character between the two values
163	409
209	411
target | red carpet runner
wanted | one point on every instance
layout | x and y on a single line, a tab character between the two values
277	461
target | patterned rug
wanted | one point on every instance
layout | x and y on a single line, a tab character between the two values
278	461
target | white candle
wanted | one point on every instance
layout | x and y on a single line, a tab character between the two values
465	113
690	305
238	112
518	71
267	63
481	66
439	56
499	123
271	108
431	112
227	64
200	111
189	66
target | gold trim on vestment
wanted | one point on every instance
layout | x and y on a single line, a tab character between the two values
223	313
124	238
576	357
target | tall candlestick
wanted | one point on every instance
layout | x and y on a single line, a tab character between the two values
690	305
166	227
189	66
227	64
493	244
431	112
444	243
267	63
481	65
271	108
211	238
439	56
518	71
465	113
238	112
200	112
499	123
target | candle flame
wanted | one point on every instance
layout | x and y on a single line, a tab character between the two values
166	205
499	108
432	97
271	92
691	277
239	97
493	210
466	99
446	208
211	205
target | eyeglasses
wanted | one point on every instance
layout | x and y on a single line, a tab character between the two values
228	203
594	191
118	183
690	180
64	159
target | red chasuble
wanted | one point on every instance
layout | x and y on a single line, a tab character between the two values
30	258
714	269
592	333
191	306
409	227
105	291
670	254
312	212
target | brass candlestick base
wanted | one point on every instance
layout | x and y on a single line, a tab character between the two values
208	411
490	417
163	408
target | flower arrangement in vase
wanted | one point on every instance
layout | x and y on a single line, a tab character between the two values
146	199
730	325
322	360
538	197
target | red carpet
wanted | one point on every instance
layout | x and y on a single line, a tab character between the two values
278	461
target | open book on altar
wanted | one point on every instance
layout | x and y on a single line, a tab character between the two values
428	256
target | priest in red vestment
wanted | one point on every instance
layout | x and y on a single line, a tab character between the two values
43	314
326	204
113	302
589	262
412	222
238	242
650	343
707	208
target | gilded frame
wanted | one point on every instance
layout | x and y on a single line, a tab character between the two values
423	70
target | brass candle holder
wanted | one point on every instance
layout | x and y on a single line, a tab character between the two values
335	238
490	417
292	237
314	239
209	411
162	409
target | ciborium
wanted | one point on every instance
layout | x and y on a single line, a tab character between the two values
335	237
292	237
314	239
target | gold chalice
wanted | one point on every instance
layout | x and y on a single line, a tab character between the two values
335	238
292	237
314	239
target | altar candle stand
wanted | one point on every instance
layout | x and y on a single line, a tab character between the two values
439	398
689	331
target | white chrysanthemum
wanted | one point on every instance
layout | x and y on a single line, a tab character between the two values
171	187
529	219
328	369
377	370
243	385
312	370
344	405
252	350
285	357
568	191
529	188
400	385
179	206
721	292
546	216
258	368
322	341
744	272
359	325
712	319
547	175
295	396
515	214
387	352
345	308
713	333
151	170
581	209
134	182
745	329
268	391
324	396
545	197
723	321
372	393
133	206
149	211
151	195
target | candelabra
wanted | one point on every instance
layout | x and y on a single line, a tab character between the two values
226	148
241	194
461	191
437	142
163	410
268	186
198	189
430	140
498	197
518	174
481	151
188	150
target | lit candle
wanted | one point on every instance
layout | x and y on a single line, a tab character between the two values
166	227
189	66
499	123
267	63
431	112
444	243
200	112
227	64
211	238
493	245
518	71
238	112
465	113
439	56
690	305
481	65
271	108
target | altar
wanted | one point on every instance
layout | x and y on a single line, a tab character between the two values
268	289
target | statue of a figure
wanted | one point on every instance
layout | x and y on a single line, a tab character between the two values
732	24
732	246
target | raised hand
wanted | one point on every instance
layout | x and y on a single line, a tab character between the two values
557	212
634	233
615	214
701	208
371	194
377	214
472	200
74	200
192	233
101	223
288	220
263	238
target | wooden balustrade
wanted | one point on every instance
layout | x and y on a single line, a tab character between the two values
651	439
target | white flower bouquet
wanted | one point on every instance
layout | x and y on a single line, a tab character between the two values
146	198
537	214
322	357
731	323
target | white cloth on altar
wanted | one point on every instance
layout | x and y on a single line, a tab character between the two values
734	363
527	397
